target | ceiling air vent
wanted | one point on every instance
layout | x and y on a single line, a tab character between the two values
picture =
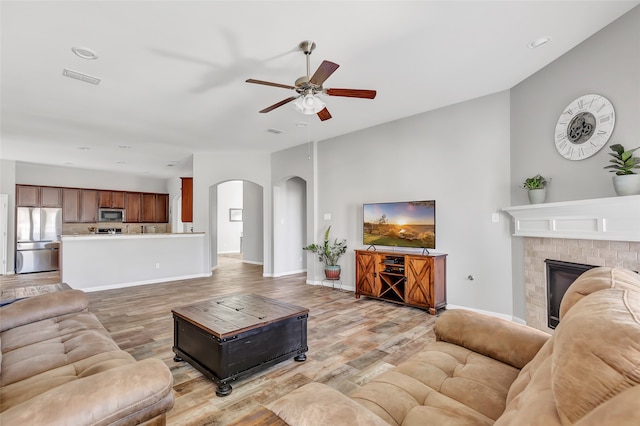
80	76
274	131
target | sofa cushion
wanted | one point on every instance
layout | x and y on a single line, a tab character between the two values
586	371
443	381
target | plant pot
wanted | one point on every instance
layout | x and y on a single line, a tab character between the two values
627	184
332	272
537	196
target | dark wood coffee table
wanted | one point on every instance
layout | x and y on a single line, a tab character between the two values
232	336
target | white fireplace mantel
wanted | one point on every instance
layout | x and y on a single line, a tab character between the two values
614	219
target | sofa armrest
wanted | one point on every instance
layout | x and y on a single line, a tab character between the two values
135	393
319	404
508	342
41	307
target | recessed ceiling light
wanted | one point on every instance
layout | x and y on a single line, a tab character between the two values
124	146
84	148
120	162
302	124
68	164
539	42
84	52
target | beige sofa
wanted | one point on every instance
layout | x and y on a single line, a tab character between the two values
483	370
59	366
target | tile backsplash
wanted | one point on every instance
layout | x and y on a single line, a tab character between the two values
127	228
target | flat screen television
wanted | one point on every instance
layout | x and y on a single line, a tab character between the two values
400	224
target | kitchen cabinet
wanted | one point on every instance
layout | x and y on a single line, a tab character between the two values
187	199
50	197
70	205
133	207
79	205
162	208
27	196
88	206
148	208
111	199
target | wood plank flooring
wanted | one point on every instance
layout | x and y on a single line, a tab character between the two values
350	340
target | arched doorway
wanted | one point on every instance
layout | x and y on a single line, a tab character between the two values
236	221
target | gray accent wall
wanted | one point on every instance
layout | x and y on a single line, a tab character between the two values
608	64
458	156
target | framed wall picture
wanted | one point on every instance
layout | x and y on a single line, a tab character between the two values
235	215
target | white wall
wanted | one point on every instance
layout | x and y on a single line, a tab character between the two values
458	156
38	174
8	186
210	169
608	63
295	221
229	233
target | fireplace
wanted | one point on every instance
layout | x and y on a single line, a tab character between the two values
560	275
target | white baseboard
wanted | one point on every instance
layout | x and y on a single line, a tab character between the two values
493	314
136	283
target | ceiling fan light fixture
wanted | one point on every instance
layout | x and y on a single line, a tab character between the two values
309	104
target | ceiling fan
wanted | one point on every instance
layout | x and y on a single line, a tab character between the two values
307	87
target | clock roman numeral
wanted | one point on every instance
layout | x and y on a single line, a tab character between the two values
568	111
562	145
581	103
604	118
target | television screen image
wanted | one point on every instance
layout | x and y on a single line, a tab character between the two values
400	224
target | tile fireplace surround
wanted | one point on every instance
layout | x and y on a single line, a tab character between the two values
601	232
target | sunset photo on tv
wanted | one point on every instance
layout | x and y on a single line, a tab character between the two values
400	224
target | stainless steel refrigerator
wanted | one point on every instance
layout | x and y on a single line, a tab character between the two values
38	239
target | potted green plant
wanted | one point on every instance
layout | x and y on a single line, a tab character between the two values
537	188
329	253
625	181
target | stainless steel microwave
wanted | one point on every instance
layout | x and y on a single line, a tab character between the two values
111	215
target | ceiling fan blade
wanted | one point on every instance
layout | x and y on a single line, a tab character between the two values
351	93
323	72
268	83
324	114
279	104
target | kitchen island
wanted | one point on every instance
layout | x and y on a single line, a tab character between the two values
102	262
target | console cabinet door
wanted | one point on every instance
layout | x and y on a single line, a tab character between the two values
419	272
366	274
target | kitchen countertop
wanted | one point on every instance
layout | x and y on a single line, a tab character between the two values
131	235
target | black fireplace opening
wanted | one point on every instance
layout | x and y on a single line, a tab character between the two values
560	275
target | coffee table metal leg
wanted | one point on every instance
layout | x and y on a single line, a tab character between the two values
300	358
177	358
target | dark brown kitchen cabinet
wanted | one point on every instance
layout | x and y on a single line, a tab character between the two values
50	196
162	208
70	205
133	207
27	196
117	199
148	208
187	199
88	206
111	199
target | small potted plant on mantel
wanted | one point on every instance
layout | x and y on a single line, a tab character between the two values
329	253
537	188
625	181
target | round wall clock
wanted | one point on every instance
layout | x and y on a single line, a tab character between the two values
584	127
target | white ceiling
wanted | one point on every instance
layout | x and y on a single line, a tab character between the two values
173	72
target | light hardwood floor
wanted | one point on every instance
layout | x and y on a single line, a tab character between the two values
350	340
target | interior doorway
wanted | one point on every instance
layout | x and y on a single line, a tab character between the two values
290	226
236	223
